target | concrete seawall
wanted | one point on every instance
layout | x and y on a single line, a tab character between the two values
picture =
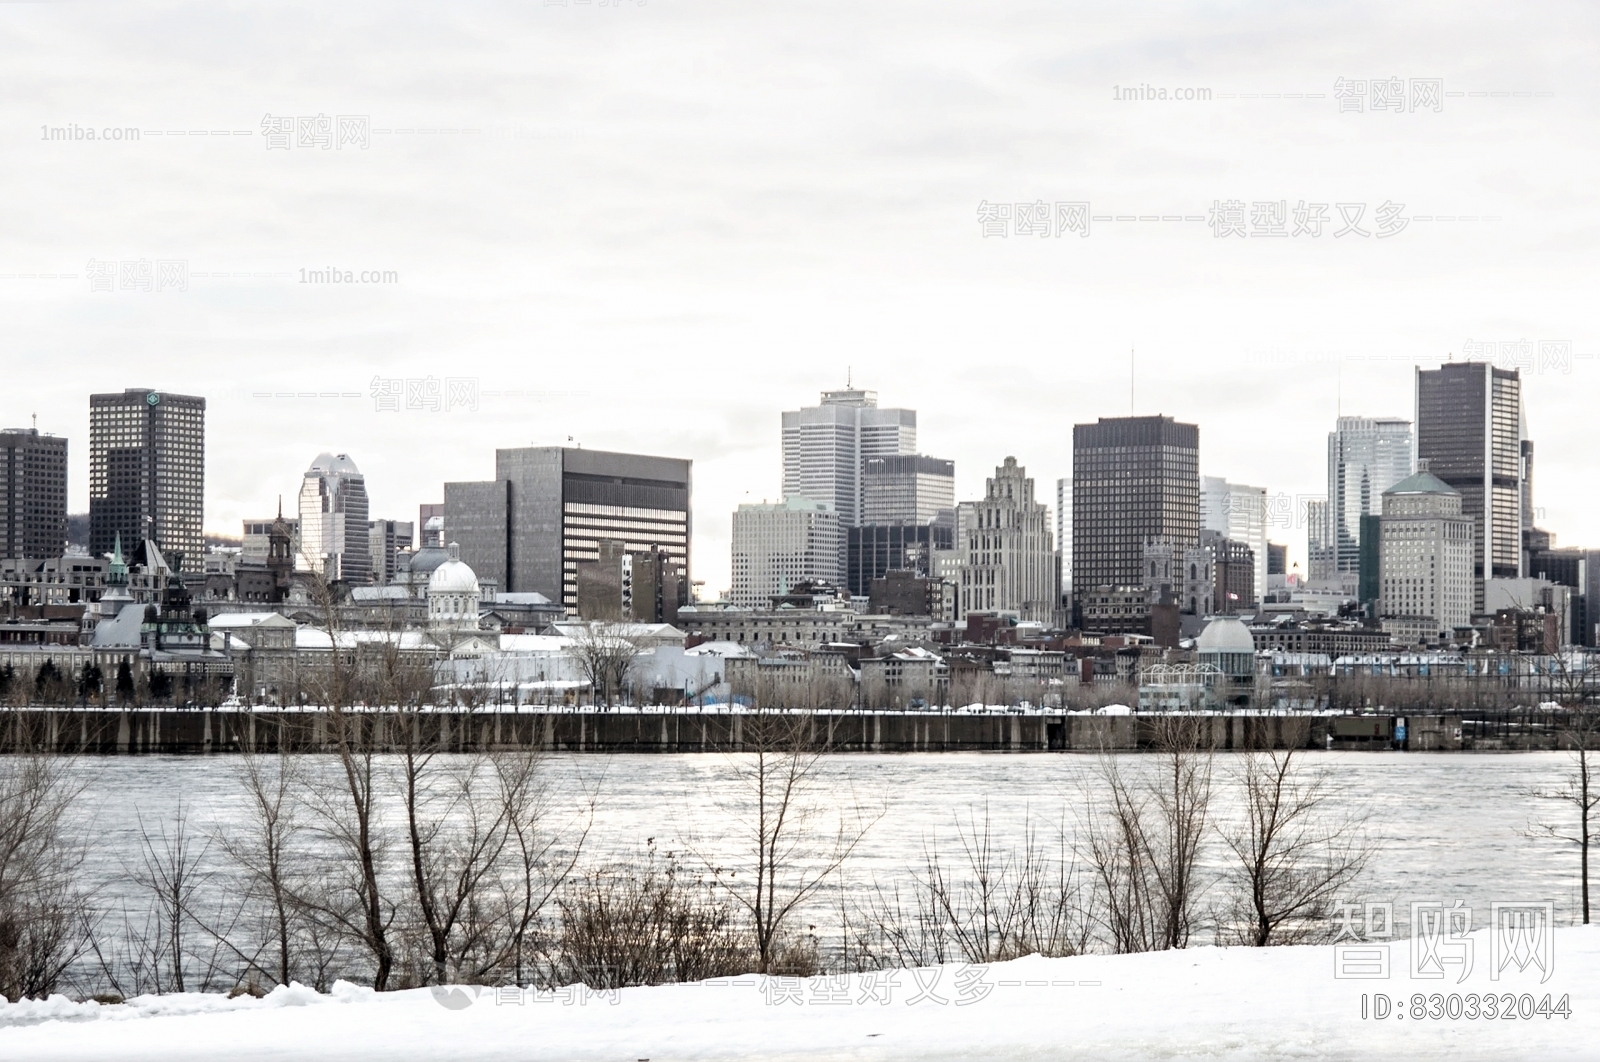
133	731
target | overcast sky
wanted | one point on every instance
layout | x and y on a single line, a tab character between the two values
652	227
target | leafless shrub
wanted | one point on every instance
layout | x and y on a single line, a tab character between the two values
988	905
648	922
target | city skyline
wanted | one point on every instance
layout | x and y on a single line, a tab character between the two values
1287	523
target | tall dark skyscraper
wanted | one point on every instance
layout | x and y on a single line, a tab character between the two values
147	461
908	512
33	494
550	507
1134	480
1469	430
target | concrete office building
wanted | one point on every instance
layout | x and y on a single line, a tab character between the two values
1426	551
1578	569
1320	563
334	533
1277	561
638	586
826	447
1237	513
549	508
1470	431
908	507
1366	456
874	550
1064	535
1235	565
386	540
33	494
258	538
778	545
147	462
907	489
1008	556
1135	480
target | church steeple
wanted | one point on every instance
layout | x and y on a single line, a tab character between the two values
117	573
116	593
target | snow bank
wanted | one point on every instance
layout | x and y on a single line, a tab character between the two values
1201	1003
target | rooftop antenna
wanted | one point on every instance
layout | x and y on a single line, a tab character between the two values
1130	382
36	424
849	379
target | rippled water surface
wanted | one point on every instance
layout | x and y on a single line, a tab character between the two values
1444	826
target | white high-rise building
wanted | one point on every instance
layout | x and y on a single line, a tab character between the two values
1236	511
1008	556
825	448
778	545
1366	456
334	540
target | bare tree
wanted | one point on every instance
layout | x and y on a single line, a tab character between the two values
1293	854
171	874
1579	789
42	909
269	851
1143	838
455	839
537	860
782	854
605	657
358	901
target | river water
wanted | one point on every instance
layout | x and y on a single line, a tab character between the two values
1444	827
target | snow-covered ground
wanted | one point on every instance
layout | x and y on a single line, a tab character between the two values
1199	1003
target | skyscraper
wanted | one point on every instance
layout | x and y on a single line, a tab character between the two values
907	489
33	494
1008	556
778	545
1237	513
550	507
1469	430
825	448
1064	534
1366	456
147	461
1425	559
1134	480
386	539
1319	544
335	539
908	512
